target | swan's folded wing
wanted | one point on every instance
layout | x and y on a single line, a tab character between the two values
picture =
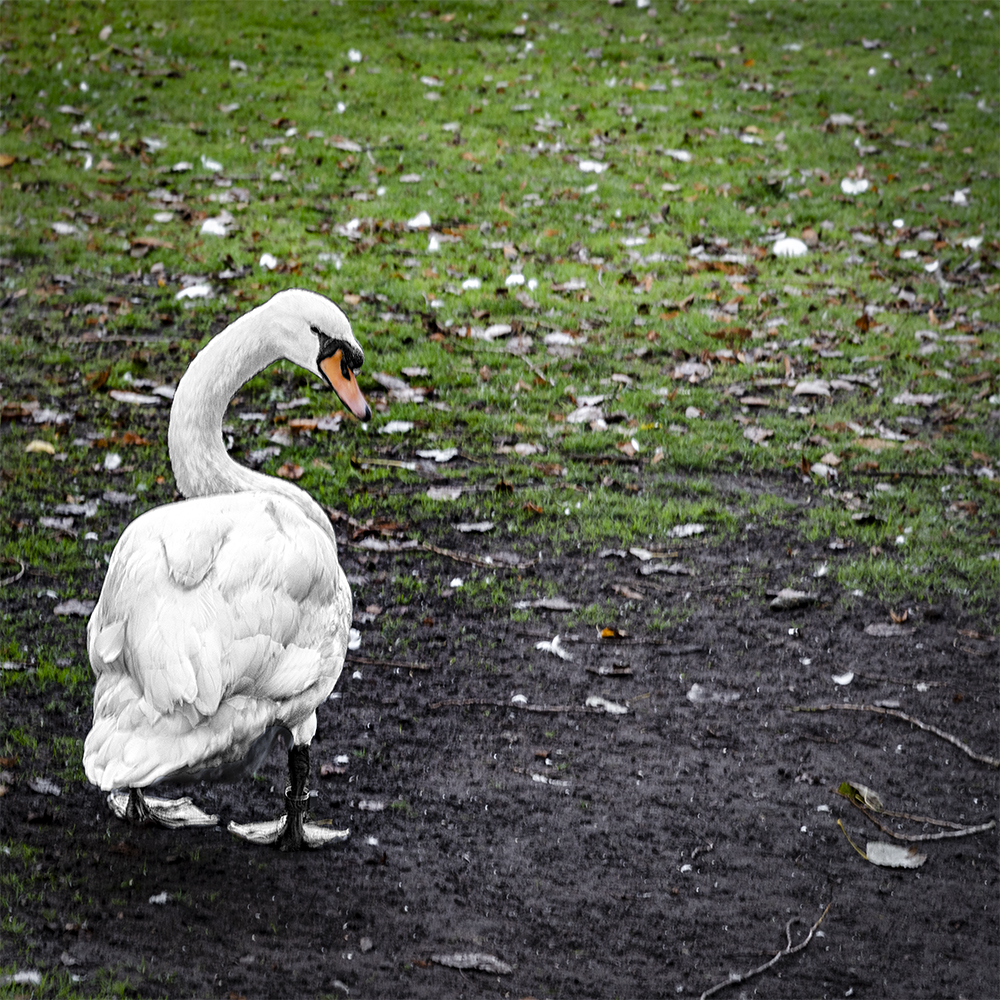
220	595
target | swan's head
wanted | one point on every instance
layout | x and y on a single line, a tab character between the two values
320	339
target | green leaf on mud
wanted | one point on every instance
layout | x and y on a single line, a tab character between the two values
861	795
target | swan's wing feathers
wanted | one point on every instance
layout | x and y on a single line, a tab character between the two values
191	550
202	602
108	639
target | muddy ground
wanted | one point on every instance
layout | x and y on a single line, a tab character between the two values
647	854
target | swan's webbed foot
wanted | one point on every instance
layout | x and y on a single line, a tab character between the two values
273	832
137	809
290	832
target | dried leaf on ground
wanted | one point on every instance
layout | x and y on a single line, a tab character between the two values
788	598
548	604
893	855
44	786
887	630
700	694
474	960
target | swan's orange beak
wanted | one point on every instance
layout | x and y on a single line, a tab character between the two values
345	386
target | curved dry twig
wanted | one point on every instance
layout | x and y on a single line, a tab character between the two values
17	576
956	829
789	949
954	740
489	703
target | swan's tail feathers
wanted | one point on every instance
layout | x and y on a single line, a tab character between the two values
135	746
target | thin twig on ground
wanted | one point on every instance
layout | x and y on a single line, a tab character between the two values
474	560
409	545
402	664
665	646
897	680
954	740
465	702
789	949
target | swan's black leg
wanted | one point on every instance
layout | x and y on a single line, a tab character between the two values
291	832
137	812
296	799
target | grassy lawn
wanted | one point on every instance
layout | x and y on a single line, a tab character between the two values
590	308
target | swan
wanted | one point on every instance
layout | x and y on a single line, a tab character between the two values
224	619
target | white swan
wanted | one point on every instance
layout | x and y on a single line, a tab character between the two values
223	621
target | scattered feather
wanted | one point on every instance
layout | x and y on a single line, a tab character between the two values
555	647
396	427
195	292
438	454
685	530
789	247
420	221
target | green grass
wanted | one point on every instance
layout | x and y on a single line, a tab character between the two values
697	77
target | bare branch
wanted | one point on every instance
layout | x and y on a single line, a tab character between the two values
954	740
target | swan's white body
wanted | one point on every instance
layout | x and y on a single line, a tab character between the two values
220	618
227	615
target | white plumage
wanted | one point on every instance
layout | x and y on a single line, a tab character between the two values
224	618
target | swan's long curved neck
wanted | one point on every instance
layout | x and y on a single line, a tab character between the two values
201	465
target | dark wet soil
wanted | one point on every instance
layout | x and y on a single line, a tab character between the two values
645	854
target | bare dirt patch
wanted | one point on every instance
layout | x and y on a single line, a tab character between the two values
648	853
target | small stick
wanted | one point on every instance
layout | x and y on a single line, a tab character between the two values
789	949
954	740
898	680
473	560
462	702
402	664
